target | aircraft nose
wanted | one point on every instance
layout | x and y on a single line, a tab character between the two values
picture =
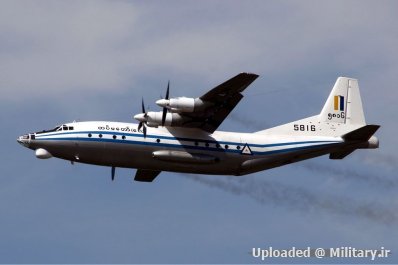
23	140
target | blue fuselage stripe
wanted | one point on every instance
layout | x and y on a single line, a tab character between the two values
184	146
40	137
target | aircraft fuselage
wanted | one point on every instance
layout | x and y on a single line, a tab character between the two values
175	149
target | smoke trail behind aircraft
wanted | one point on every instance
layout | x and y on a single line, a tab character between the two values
382	159
371	179
299	199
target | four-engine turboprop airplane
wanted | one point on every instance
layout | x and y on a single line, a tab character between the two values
183	137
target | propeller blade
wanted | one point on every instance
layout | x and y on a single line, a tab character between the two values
164	108
139	126
167	91
144	131
143	106
164	116
113	173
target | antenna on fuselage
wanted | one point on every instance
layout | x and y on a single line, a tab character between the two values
113	173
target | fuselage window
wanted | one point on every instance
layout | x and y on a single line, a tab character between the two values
114	137
207	144
70	128
238	147
123	137
89	135
65	128
218	145
158	140
100	135
196	143
226	146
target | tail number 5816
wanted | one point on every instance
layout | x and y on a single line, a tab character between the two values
302	127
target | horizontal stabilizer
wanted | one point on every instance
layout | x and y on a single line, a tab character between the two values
145	175
341	154
362	134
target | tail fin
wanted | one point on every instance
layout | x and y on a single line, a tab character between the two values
344	103
341	114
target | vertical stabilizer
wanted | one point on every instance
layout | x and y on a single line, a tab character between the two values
341	114
344	103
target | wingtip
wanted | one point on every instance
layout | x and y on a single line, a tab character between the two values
249	74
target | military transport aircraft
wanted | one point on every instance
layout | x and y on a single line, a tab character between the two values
184	137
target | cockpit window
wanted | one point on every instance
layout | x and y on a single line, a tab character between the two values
58	128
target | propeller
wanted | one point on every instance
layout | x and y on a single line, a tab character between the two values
142	117
164	108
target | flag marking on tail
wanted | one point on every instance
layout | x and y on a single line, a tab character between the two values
338	106
339	103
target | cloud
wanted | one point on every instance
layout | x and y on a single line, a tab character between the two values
49	49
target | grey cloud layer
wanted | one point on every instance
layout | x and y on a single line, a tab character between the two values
101	45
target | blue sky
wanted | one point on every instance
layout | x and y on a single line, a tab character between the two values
94	60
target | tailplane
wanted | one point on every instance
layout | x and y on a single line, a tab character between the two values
361	138
362	134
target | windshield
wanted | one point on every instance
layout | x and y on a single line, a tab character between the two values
58	128
63	127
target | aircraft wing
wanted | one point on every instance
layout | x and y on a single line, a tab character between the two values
223	99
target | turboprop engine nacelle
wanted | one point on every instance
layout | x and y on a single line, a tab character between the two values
154	119
181	104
